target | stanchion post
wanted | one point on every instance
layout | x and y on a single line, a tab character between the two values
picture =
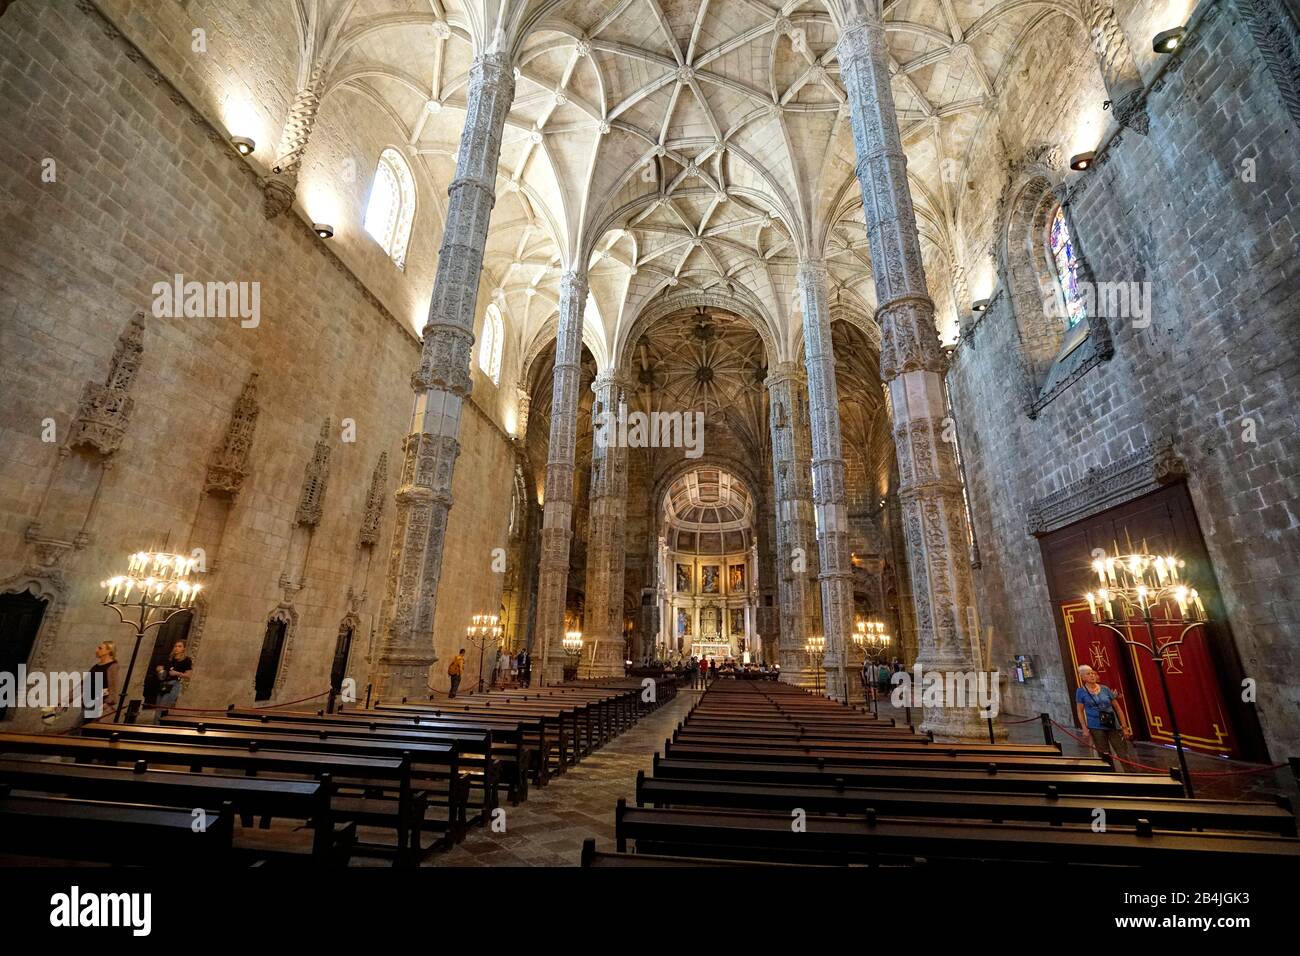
1048	737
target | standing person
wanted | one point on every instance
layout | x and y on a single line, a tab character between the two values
455	670
713	668
868	684
103	677
704	672
1106	723
524	664
176	668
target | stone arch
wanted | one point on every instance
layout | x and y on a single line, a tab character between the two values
287	613
666	305
50	588
1028	277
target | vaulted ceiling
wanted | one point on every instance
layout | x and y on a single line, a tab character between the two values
696	145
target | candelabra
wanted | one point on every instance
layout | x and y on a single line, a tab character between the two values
815	648
484	631
871	638
1133	586
154	582
572	645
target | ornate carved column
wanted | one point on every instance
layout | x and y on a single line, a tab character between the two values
795	530
278	189
606	534
1118	67
441	384
836	574
912	366
557	514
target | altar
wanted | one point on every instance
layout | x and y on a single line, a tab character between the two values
706	649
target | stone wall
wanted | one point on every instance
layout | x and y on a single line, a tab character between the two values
1171	208
145	189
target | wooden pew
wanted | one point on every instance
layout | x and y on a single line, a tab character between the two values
530	733
560	724
893	777
875	840
478	753
686	735
86	831
940	757
392	774
433	767
308	800
1172	813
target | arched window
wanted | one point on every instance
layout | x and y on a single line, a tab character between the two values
1066	264
391	209
489	350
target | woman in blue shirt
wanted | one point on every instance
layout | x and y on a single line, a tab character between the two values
1106	723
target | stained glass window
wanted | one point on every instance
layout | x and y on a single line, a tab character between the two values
489	351
391	208
1061	245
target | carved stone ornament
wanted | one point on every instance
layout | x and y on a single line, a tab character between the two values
1150	467
229	465
315	478
105	409
369	535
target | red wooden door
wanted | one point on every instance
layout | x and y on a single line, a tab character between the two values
1202	672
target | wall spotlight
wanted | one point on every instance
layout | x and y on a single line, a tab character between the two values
1082	161
243	144
980	305
1168	41
324	230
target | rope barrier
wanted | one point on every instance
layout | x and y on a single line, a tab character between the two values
223	710
1195	773
1012	723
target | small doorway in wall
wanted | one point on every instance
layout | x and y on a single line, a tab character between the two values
176	629
342	651
268	662
21	614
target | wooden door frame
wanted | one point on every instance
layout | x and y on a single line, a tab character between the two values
1225	658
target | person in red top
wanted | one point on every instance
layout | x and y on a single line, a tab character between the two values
704	672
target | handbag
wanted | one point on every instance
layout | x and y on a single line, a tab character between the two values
1106	718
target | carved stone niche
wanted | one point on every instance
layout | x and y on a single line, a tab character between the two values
1150	467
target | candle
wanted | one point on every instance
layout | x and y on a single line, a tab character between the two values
1092	605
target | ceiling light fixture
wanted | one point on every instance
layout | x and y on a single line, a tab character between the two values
1082	161
243	144
322	229
980	305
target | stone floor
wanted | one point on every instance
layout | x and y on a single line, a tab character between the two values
548	828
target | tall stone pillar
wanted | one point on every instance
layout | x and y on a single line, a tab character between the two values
441	385
557	514
606	534
279	188
829	502
795	530
912	366
1118	66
